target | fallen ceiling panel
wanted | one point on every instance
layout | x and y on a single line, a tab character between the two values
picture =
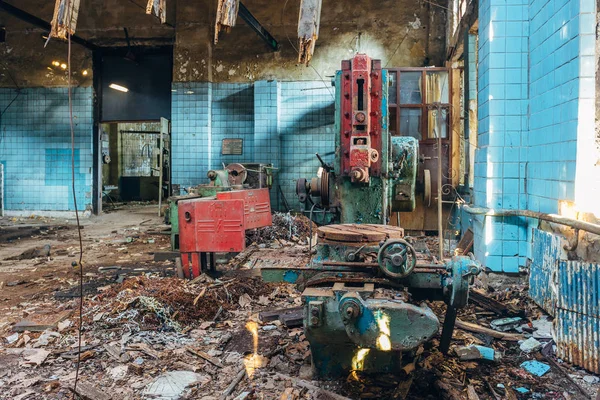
227	12
64	20
308	29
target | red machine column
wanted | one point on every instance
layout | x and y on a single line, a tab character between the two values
361	139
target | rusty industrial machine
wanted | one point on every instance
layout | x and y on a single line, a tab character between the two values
374	174
218	224
365	286
213	218
233	176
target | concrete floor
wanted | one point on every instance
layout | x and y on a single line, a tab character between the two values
104	244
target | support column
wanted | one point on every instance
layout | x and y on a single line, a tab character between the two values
500	159
267	147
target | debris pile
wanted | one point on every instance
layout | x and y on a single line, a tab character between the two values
167	304
285	228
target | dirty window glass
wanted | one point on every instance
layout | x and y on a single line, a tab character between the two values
436	125
393	88
393	121
410	88
437	87
410	122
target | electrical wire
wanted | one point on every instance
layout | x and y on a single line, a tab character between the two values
17	89
396	50
80	263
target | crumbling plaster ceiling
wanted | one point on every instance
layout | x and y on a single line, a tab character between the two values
401	33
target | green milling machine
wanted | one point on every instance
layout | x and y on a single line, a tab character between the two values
365	288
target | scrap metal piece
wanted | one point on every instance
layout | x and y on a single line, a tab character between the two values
308	29
64	20
227	12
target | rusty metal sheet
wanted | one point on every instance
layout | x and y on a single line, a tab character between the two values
577	339
569	290
359	233
577	323
546	253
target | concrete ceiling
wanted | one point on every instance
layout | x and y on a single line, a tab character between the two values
400	32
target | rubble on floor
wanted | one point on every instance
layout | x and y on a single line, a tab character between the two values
148	335
286	229
154	337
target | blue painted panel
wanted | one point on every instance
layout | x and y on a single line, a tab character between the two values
546	253
569	290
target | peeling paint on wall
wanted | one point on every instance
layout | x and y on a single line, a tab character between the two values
416	24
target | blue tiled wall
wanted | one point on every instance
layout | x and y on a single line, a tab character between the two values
191	132
232	118
306	127
502	129
267	146
281	123
554	101
534	70
35	147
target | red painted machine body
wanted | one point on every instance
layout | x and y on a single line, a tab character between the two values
361	141
257	206
218	225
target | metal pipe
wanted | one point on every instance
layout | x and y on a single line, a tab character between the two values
558	219
439	184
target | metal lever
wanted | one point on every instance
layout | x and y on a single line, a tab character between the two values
326	167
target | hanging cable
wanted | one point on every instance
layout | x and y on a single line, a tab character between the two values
80	263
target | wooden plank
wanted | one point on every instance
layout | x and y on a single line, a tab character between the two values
87	391
272	315
456	127
468	326
206	357
41	322
227	12
479	298
293	319
466	243
309	21
166	255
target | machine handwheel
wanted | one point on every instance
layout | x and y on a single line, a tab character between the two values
397	258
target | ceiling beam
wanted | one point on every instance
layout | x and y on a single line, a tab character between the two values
33	20
247	16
